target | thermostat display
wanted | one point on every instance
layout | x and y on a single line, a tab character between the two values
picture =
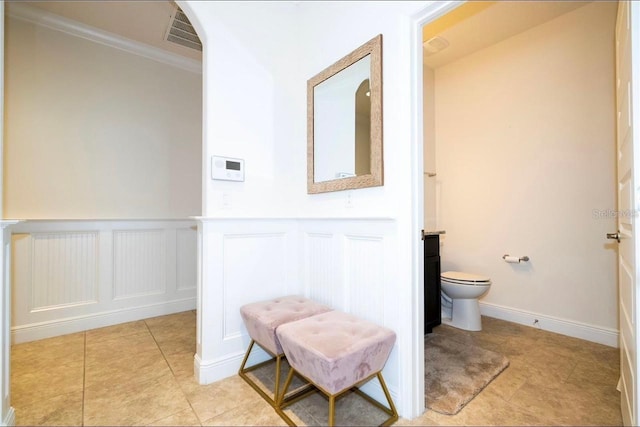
227	169
233	166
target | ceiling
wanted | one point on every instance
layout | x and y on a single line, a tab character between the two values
142	21
468	28
479	24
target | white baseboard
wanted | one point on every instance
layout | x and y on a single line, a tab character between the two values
570	328
209	371
54	328
10	417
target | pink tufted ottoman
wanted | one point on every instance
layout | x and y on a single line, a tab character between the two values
336	352
261	320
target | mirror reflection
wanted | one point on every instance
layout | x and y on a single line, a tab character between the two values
342	124
363	128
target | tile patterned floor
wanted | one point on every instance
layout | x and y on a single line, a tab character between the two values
552	380
141	373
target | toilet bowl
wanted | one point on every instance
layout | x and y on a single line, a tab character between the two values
464	289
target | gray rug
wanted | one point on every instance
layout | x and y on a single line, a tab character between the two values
455	372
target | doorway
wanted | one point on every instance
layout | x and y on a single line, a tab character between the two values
504	137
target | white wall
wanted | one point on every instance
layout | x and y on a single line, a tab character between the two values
525	133
250	73
257	59
352	24
96	132
256	100
355	23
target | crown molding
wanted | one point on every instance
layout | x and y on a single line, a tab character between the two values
52	21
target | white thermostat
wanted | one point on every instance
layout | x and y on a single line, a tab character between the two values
227	169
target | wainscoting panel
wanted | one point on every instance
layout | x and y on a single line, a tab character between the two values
186	261
321	268
139	260
348	265
70	276
64	270
240	261
253	265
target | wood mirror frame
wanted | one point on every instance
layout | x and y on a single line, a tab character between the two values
375	177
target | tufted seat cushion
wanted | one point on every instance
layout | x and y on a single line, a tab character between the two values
336	350
262	318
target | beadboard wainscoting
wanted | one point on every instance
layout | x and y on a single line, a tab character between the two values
345	263
70	276
350	265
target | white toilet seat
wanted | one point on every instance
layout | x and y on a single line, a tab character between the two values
461	278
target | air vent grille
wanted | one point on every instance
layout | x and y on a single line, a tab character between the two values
435	45
181	31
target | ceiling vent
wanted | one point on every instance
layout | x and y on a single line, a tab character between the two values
181	31
435	45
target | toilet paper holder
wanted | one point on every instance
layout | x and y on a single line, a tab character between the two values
512	259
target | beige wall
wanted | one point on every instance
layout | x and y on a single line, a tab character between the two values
95	132
525	133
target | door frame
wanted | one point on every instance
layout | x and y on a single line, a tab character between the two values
634	11
7	413
416	371
633	347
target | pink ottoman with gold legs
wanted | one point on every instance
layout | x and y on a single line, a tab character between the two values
336	352
261	320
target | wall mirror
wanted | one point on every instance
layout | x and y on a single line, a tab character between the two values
344	122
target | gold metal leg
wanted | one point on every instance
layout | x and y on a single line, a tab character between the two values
283	403
296	395
280	404
332	410
246	356
277	386
244	370
287	383
394	412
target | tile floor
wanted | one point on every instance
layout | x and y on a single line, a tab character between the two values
552	379
141	373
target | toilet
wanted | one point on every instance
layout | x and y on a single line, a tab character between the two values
464	289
